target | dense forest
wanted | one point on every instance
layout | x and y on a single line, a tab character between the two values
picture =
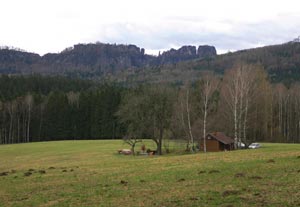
243	103
37	108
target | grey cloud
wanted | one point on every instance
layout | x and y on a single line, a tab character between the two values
242	35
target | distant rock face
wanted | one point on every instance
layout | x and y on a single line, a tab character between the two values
186	53
14	61
206	51
95	59
103	55
182	54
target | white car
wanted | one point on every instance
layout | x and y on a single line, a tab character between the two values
254	146
241	145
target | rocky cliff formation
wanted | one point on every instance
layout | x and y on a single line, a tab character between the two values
95	59
186	53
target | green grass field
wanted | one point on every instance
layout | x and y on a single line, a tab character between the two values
91	173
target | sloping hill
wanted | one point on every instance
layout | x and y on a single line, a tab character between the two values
91	173
130	64
282	62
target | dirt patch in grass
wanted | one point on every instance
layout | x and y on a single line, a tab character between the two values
194	198
23	198
181	180
26	174
271	161
42	171
123	182
256	194
256	177
230	192
3	173
176	201
214	171
239	175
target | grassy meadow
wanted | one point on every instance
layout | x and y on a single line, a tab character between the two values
91	173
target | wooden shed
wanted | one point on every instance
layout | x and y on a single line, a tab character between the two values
217	141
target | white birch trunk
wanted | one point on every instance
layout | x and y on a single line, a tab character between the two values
189	120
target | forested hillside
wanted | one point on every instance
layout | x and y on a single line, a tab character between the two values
129	64
281	62
243	104
181	94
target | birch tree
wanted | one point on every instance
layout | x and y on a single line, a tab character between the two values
208	85
230	94
185	117
189	119
29	103
280	95
240	84
11	108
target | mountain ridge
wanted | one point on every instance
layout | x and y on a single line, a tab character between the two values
96	59
129	63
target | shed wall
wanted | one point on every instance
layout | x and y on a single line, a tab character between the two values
211	145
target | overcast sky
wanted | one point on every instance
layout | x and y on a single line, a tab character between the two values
44	26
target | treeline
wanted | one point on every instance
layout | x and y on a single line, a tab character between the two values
37	108
242	103
12	87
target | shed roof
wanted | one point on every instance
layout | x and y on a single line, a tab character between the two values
221	137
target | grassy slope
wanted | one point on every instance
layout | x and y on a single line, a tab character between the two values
94	172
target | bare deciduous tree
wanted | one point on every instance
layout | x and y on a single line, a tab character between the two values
240	87
185	117
132	141
29	103
209	84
